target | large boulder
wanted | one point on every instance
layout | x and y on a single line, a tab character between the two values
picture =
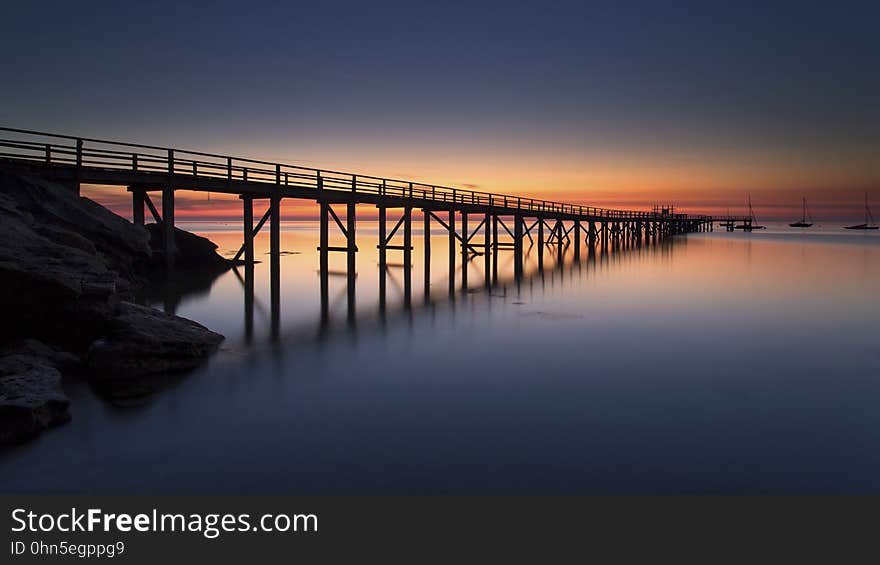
79	223
68	266
193	252
49	290
31	397
144	341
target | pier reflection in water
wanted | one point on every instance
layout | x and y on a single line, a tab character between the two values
389	287
708	363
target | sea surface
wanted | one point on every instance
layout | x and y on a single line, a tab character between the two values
709	363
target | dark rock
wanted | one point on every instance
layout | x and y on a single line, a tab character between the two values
68	266
144	341
31	398
68	219
193	251
56	357
48	290
66	262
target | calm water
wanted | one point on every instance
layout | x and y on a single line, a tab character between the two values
729	363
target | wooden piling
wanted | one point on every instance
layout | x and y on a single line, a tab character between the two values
275	262
407	256
137	206
487	244
452	252
427	249
168	226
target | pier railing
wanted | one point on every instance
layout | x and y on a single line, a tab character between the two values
88	153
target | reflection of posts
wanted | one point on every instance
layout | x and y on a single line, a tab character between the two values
249	303
324	276
351	275
591	252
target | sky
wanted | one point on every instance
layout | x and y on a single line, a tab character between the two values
620	103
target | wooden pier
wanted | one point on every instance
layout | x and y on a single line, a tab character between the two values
476	223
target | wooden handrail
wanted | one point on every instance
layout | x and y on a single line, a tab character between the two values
119	155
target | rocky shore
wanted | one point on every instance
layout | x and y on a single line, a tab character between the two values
69	272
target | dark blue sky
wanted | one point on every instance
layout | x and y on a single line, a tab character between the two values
705	95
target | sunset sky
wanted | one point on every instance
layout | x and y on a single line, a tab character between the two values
623	104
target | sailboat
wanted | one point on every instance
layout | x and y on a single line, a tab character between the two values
803	223
869	224
754	225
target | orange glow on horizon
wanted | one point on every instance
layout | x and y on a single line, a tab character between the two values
694	183
769	205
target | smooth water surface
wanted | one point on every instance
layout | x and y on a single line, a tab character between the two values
716	362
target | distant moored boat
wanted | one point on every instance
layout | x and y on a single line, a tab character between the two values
803	223
869	224
754	224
